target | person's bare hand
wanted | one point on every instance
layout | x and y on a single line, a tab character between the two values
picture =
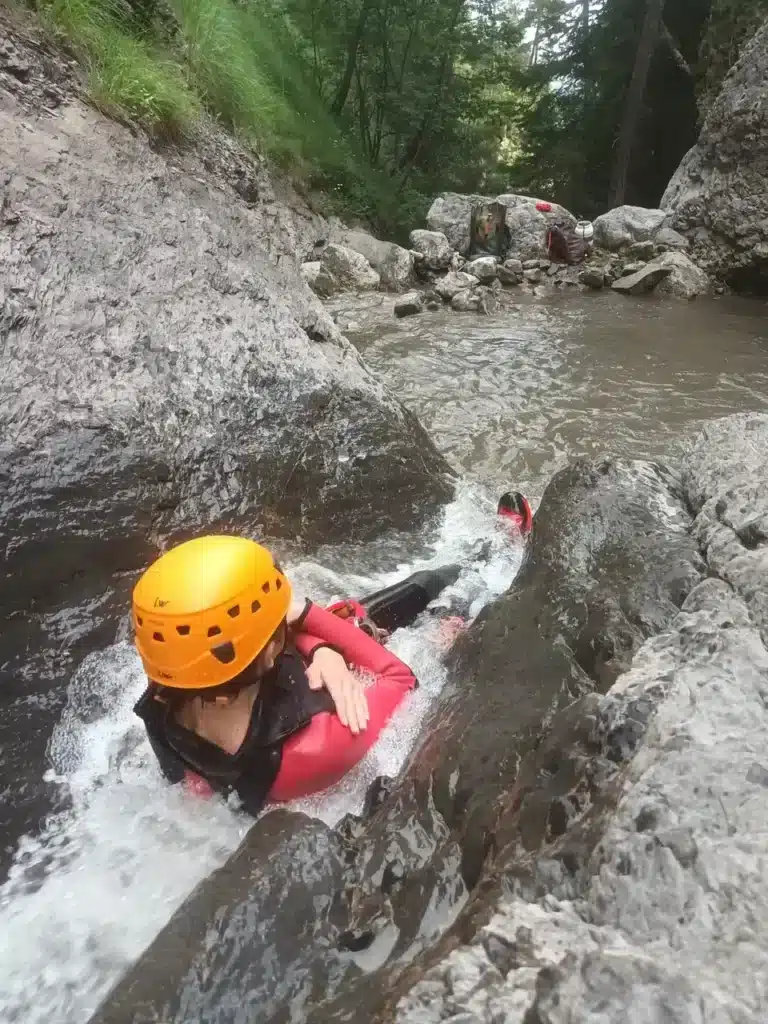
329	670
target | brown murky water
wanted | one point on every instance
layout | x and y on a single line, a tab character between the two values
514	396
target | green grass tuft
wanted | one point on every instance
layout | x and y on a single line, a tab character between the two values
126	73
163	62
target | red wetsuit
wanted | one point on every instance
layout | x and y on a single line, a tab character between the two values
325	750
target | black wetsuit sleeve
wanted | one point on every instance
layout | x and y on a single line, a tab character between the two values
170	765
253	790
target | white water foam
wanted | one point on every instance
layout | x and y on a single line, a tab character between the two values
87	895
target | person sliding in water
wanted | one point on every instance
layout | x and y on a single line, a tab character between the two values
250	690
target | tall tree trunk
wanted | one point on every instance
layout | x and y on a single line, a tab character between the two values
585	14
416	143
536	36
630	121
349	70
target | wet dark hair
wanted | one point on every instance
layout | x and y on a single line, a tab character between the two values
512	501
251	674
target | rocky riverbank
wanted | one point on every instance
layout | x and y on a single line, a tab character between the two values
631	250
710	234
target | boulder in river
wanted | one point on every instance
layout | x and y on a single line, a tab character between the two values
162	373
344	270
409	304
508	275
528	223
526	226
642	281
451	215
454	282
393	264
434	247
685	280
626	225
718	197
468	300
484	268
528	229
593	277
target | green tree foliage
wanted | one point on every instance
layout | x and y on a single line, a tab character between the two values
376	105
579	100
425	88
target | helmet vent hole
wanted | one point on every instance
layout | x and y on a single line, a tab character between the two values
278	584
214	631
182	630
255	606
234	611
265	587
159	637
139	620
225	653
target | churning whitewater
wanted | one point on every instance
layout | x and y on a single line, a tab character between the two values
87	895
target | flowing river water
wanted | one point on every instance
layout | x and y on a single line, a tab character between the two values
510	399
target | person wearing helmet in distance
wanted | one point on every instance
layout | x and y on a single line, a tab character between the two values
249	689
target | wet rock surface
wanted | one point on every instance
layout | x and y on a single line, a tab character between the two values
517	754
641	281
668	916
409	304
164	370
685	280
717	198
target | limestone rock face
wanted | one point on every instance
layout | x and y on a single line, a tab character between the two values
718	198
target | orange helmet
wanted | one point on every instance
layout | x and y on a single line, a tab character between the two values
205	609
